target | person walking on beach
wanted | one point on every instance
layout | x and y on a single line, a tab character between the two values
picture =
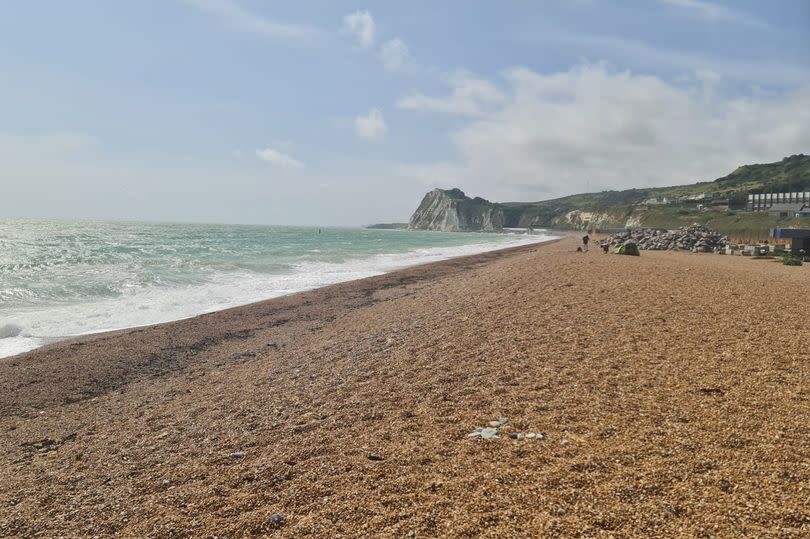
585	240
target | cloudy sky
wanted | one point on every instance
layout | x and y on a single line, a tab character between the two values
332	112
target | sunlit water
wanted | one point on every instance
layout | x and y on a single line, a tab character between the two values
59	279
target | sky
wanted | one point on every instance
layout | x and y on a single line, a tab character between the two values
330	112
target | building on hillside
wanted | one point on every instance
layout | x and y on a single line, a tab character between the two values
763	201
699	198
656	201
782	210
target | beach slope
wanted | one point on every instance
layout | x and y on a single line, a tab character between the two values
672	389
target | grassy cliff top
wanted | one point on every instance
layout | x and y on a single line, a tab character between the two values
788	175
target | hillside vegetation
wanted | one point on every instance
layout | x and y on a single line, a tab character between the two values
626	208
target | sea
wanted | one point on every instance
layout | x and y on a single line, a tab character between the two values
61	279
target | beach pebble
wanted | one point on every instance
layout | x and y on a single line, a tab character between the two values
276	519
498	423
489	433
375	457
517	435
531	436
237	454
481	432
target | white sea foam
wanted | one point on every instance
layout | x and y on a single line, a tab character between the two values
29	329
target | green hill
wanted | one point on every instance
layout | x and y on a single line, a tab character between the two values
726	197
722	209
788	175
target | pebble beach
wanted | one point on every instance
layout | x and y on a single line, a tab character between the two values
668	395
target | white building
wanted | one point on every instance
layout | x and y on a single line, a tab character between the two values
763	201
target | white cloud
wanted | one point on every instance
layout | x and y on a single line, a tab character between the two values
708	76
395	55
470	96
715	12
370	126
277	158
547	135
646	56
231	13
360	25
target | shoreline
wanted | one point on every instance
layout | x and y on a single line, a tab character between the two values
39	358
347	409
36	342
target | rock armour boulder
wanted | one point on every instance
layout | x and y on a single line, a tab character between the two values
694	238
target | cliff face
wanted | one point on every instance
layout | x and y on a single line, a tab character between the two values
452	211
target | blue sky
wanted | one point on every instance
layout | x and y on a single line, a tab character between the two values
334	112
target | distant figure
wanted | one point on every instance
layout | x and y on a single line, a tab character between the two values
319	231
605	247
585	240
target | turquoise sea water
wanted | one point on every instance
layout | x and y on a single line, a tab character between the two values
60	279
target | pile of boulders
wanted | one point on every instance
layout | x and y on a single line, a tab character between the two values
693	238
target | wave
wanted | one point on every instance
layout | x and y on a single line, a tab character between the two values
10	330
150	304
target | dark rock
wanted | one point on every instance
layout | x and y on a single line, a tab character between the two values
694	238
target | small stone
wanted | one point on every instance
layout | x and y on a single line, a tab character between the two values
541	435
237	454
559	511
489	433
375	457
498	423
563	442
276	519
411	533
531	436
517	435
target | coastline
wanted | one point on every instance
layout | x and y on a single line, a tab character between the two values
34	326
66	354
346	408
